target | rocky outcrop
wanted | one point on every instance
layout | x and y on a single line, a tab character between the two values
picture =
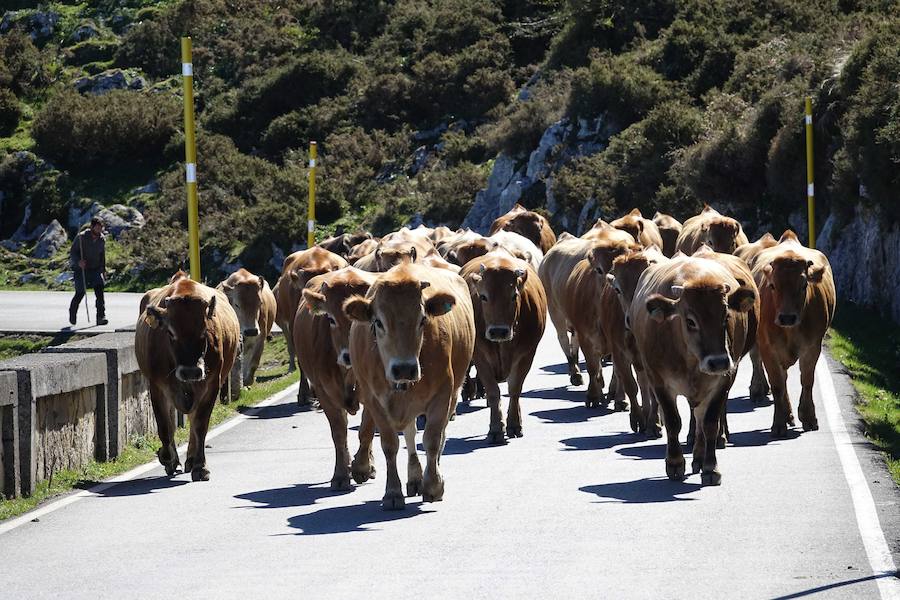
119	218
865	257
107	81
40	25
52	240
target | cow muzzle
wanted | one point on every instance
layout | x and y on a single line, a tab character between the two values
716	364
191	374
787	319
344	358
251	332
404	373
498	333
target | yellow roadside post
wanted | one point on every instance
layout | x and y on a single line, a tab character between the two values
190	153
810	187
311	223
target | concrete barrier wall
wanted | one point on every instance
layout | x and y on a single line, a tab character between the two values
9	435
62	400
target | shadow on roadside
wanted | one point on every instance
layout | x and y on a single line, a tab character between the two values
300	494
600	442
346	519
139	487
642	491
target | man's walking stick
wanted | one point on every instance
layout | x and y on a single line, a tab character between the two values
87	310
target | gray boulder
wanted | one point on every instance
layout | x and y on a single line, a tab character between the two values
152	187
80	213
85	31
107	81
64	277
52	240
38	24
11	245
119	218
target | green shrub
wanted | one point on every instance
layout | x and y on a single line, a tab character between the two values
449	193
10	112
21	64
92	50
104	130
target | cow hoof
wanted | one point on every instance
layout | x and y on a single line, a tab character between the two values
779	432
188	464
720	442
637	426
711	478
759	397
620	406
514	431
453	415
393	501
810	425
675	471
171	468
496	437
593	402
362	474
432	498
653	432
413	488
340	484
696	465
576	379
200	474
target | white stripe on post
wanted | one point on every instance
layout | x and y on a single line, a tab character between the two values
810	189
809	119
190	172
310	225
187	69
312	163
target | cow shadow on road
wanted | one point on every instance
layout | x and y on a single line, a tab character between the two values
642	491
347	519
557	393
599	442
300	494
464	445
274	411
574	414
654	451
139	487
562	368
758	437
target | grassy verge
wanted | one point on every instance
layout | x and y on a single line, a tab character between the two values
272	378
869	346
16	345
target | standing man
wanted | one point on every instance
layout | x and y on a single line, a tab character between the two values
88	261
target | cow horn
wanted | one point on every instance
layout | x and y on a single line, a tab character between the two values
424	284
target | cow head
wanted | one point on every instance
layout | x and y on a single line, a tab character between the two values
498	289
245	296
392	255
788	278
626	270
473	249
702	307
328	302
398	311
184	319
527	224
721	234
632	223
605	251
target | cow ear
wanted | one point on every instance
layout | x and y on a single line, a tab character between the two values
814	273
211	309
474	279
358	308
227	287
156	316
661	308
295	276
315	301
261	282
742	299
526	256
412	254
439	304
767	271
640	226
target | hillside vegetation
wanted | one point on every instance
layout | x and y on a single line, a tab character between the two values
412	101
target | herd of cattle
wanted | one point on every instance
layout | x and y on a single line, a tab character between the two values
394	325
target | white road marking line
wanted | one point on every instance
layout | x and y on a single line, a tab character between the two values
137	471
877	550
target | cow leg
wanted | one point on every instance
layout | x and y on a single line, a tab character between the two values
807	409
572	356
468	389
433	440
363	468
674	455
759	387
413	467
393	491
255	357
724	433
653	427
698	441
516	379
627	384
305	394
199	426
710	428
616	390
594	395
492	391
778	380
164	412
337	420
289	342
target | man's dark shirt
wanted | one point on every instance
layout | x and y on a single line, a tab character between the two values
94	251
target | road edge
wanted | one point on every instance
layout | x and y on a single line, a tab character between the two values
75	496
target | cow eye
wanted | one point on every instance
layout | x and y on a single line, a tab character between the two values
483	297
422	322
691	324
771	286
378	324
331	320
617	290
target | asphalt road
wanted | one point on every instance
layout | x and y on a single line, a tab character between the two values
48	312
578	508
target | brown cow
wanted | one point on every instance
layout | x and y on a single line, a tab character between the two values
615	300
555	269
321	336
343	244
410	347
798	301
749	251
440	232
363	248
252	299
510	314
406	245
297	270
685	317
447	245
669	229
186	341
527	223
723	234
644	231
